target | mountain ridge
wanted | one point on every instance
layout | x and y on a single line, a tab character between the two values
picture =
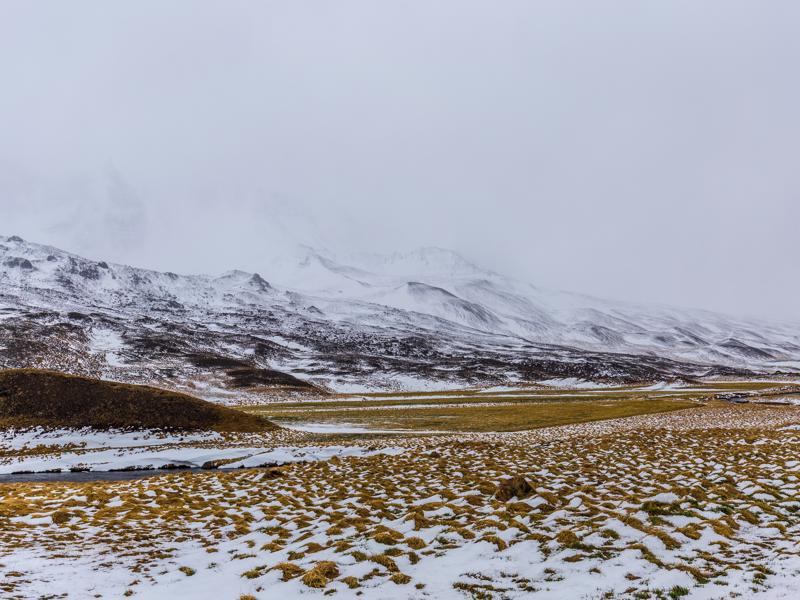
341	325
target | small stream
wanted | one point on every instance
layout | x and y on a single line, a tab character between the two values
83	476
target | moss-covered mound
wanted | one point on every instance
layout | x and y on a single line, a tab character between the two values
30	397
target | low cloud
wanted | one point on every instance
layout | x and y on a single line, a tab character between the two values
633	150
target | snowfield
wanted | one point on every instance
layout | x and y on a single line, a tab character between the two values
39	451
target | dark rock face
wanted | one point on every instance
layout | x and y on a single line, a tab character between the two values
137	279
84	268
260	283
19	263
90	272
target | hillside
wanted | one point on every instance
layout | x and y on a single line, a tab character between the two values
30	397
427	319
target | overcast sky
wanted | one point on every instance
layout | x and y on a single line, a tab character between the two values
631	149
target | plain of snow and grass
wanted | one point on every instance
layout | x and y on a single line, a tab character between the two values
643	493
699	503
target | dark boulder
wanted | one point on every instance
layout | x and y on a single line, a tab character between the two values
515	487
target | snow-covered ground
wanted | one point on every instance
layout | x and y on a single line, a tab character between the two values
87	438
38	451
699	504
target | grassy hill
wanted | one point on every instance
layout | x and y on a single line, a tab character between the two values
30	397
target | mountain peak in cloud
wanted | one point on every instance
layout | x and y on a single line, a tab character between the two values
427	260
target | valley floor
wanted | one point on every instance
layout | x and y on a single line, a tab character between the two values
702	502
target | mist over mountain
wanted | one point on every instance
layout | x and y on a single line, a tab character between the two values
535	141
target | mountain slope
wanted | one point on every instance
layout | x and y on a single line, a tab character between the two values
441	283
428	318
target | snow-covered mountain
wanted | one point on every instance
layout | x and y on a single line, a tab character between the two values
418	319
441	283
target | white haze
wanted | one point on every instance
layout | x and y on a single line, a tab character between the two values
635	150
